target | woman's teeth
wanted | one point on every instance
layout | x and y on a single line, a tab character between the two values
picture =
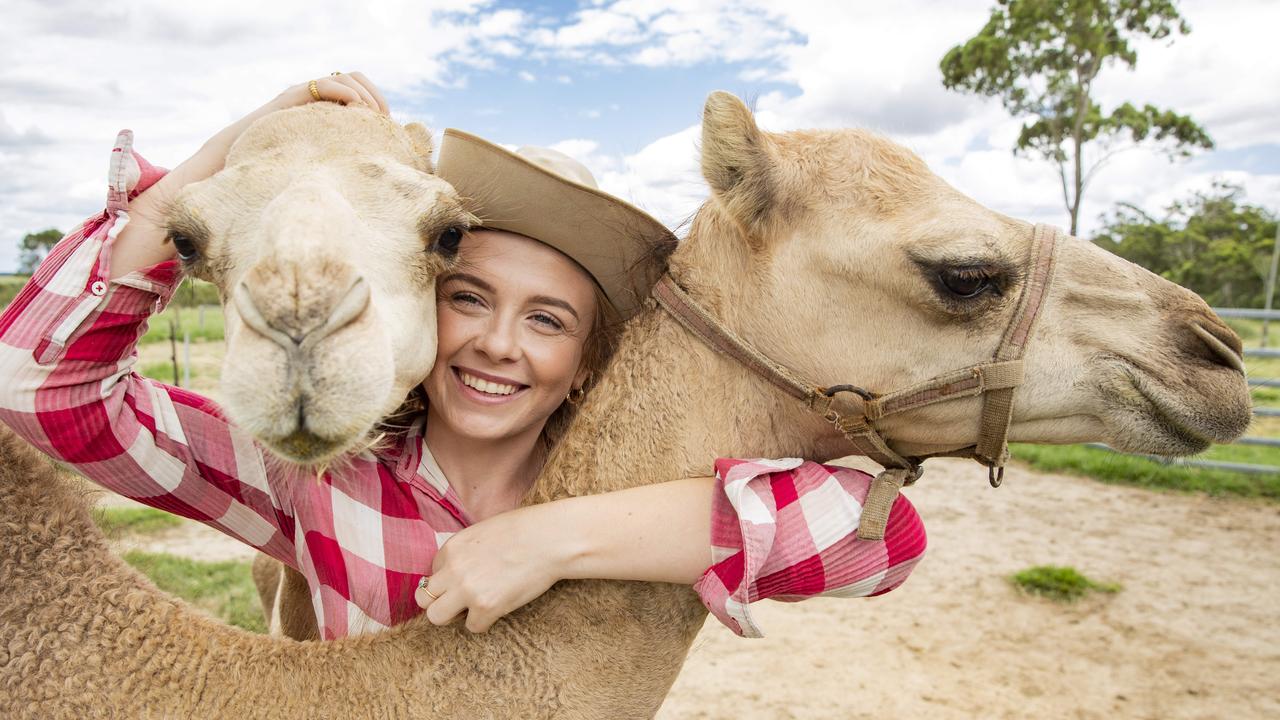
485	386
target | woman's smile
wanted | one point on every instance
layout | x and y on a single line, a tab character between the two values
486	388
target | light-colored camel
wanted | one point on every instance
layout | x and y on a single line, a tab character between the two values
321	234
832	251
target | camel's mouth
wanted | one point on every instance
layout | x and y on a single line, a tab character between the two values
304	447
1152	413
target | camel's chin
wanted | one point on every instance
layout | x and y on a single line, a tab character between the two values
305	448
1147	415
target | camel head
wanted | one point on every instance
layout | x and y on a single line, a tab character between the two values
839	254
324	235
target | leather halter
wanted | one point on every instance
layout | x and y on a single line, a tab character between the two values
994	381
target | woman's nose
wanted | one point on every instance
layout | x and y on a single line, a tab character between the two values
499	341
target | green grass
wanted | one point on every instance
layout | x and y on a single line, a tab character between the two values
1057	583
162	371
1117	469
189	321
9	287
134	521
224	589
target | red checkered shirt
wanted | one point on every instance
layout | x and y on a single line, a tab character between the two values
364	535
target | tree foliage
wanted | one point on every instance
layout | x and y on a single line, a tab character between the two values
1042	57
1213	243
34	247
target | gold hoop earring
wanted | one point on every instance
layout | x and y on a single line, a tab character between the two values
575	396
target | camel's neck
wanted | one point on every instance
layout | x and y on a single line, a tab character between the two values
668	406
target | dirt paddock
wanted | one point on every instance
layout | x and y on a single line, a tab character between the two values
1193	633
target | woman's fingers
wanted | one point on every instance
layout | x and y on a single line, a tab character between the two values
446	609
334	90
373	90
363	93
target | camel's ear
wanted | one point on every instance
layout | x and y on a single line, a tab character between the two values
420	136
736	159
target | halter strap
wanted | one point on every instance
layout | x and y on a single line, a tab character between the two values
994	381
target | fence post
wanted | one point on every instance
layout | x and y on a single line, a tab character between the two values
173	349
1271	282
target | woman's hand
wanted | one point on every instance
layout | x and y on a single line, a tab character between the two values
495	566
343	88
351	88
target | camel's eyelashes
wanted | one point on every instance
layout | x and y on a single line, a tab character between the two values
185	246
966	282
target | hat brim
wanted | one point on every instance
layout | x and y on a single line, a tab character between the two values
612	240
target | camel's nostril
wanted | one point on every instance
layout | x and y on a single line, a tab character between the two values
1224	344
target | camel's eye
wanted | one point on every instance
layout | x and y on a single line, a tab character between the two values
966	282
447	242
185	246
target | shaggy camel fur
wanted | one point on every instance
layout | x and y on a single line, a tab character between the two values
815	245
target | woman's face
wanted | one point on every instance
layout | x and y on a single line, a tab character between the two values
511	325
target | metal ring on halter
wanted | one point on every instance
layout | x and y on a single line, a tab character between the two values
864	394
995	475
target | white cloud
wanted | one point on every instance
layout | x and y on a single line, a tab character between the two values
658	34
527	76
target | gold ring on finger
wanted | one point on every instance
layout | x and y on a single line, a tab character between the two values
422	585
315	91
335	72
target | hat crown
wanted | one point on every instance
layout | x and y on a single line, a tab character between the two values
557	162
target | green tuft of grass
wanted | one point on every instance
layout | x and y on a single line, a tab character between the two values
136	521
223	589
1058	583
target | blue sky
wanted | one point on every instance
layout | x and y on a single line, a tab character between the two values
617	83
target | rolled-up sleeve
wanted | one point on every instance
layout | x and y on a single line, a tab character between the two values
786	530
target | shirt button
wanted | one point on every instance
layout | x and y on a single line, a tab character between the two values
98	288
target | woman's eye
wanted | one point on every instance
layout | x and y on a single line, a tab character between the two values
466	300
185	246
547	320
965	282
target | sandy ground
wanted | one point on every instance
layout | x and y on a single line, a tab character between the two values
1194	633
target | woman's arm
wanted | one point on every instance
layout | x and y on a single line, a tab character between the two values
658	533
780	529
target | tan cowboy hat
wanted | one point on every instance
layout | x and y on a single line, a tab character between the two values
549	196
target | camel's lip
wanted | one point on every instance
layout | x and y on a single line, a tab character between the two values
490	376
305	447
1176	424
